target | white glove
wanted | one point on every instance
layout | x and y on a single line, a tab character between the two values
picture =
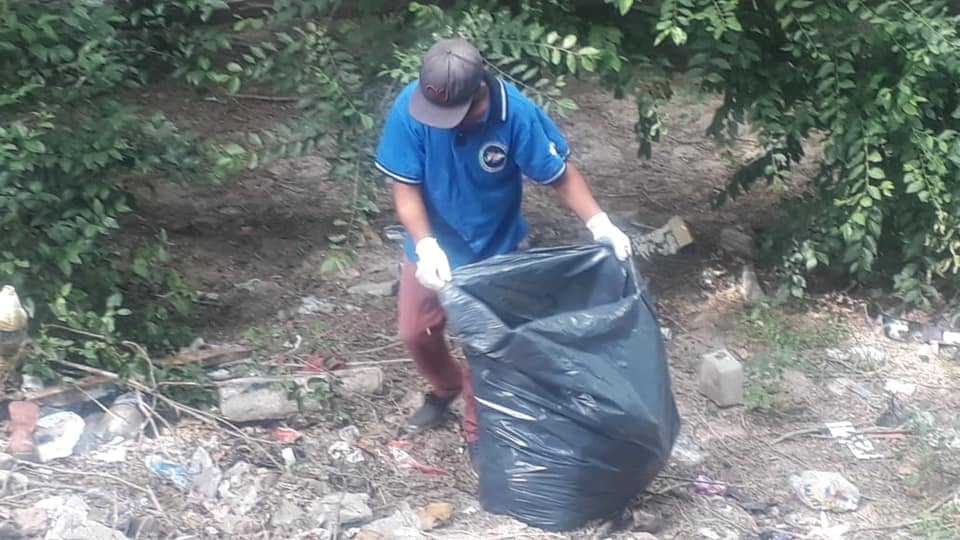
433	268
604	231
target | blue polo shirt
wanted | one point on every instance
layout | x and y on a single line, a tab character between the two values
472	180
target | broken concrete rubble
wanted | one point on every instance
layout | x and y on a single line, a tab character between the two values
68	519
263	398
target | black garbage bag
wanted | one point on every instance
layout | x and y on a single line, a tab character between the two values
575	406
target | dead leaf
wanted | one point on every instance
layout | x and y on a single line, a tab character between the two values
368	535
435	515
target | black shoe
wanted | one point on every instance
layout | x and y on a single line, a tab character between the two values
431	412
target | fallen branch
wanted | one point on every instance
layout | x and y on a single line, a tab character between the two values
861	430
260	97
206	418
108	476
912	522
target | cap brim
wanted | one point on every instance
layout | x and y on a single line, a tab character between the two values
434	116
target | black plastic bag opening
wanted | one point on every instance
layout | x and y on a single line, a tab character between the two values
575	407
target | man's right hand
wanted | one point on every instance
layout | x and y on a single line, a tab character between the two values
433	267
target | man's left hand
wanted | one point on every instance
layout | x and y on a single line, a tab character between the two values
604	231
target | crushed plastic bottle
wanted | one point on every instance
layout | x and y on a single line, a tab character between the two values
168	470
828	491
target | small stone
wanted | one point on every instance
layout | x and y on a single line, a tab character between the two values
311	305
347	507
645	523
750	287
14	482
686	451
385	288
31	521
738	243
721	378
287	514
434	515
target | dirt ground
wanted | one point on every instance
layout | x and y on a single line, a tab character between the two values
268	230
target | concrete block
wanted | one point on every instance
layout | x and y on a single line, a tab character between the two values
721	378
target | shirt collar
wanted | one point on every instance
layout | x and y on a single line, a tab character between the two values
497	109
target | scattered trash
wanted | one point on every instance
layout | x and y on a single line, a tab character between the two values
288	514
401	525
124	420
435	515
13	483
23	422
748	504
111	454
289	458
345	448
57	434
666	333
838	386
846	433
706	486
343	508
240	488
342	450
286	435
686	451
311	305
406	461
394	233
895	386
69	520
30	383
204	474
828	491
168	470
907	331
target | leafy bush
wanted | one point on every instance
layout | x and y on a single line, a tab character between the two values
873	81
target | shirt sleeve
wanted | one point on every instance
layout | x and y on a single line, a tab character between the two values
400	154
542	150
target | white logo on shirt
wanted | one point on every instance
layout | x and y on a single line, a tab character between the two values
493	156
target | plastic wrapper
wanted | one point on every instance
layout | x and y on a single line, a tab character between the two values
822	490
575	406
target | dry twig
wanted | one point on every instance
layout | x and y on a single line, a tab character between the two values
143	489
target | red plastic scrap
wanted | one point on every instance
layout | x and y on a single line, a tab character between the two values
320	362
406	461
286	435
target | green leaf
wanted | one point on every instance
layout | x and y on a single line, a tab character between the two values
234	67
34	146
552	37
876	173
859	218
569	41
914	187
874	157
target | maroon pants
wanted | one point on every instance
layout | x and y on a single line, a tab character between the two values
421	322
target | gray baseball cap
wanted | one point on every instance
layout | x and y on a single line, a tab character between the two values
449	78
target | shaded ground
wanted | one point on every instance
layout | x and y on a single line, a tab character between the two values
268	232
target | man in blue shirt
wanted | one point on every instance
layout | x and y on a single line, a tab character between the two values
457	144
